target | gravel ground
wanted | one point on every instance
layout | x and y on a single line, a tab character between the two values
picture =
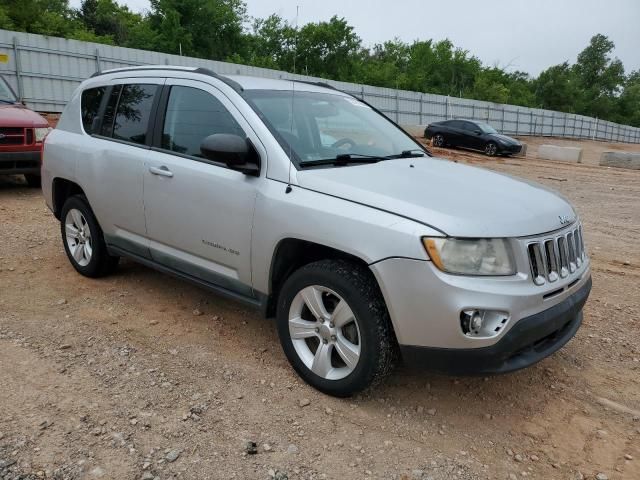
141	376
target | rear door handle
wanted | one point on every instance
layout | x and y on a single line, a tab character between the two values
161	171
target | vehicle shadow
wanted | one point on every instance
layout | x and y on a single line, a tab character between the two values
9	183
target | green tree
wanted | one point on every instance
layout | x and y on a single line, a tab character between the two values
106	18
557	88
5	19
600	78
203	28
327	49
629	103
272	44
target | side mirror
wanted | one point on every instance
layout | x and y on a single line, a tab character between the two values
478	132
236	152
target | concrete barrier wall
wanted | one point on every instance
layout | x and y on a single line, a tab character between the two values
629	160
563	154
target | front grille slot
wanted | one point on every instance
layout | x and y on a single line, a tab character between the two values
550	250
558	257
12	136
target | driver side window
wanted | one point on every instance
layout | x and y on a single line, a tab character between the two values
192	115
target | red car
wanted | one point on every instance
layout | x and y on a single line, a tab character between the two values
22	132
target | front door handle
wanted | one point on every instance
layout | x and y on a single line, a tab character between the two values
161	171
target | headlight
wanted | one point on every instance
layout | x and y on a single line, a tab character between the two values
471	257
41	133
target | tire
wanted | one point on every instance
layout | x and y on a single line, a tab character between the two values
363	327
491	149
79	229
33	180
438	140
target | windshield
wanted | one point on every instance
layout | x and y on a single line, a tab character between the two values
6	94
486	128
321	126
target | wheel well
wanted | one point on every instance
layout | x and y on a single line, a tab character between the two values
292	254
63	189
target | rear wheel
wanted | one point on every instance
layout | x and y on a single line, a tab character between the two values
83	239
34	181
334	327
491	149
438	140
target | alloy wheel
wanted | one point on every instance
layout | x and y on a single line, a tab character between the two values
491	149
78	237
438	141
324	332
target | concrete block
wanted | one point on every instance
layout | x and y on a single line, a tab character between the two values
629	160
563	154
523	152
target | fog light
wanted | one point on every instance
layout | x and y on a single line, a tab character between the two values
482	323
471	321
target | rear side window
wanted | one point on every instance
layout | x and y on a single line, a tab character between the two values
110	111
90	106
133	112
192	115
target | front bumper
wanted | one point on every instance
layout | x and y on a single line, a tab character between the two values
20	162
511	149
530	340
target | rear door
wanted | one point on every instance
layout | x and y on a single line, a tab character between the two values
455	137
112	174
199	212
472	138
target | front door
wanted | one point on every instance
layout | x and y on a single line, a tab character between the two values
199	213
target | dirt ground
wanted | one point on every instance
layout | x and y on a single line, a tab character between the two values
141	376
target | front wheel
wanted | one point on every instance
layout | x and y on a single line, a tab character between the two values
334	327
438	140
491	149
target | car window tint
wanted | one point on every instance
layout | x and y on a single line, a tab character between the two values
456	124
470	127
132	114
107	119
192	115
89	106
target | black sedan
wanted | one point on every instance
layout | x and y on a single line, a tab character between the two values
473	135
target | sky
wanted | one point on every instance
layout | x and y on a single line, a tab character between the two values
527	35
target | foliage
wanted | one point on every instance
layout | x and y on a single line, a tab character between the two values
594	85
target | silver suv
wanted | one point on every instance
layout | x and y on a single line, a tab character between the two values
312	206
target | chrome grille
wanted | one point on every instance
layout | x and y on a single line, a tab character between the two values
12	136
555	258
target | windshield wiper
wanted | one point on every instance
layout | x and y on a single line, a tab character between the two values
414	153
344	159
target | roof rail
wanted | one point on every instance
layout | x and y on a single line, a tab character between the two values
318	84
200	70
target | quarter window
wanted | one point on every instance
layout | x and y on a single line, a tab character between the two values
192	115
132	115
90	105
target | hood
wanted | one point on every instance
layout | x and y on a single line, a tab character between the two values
505	139
459	200
20	116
